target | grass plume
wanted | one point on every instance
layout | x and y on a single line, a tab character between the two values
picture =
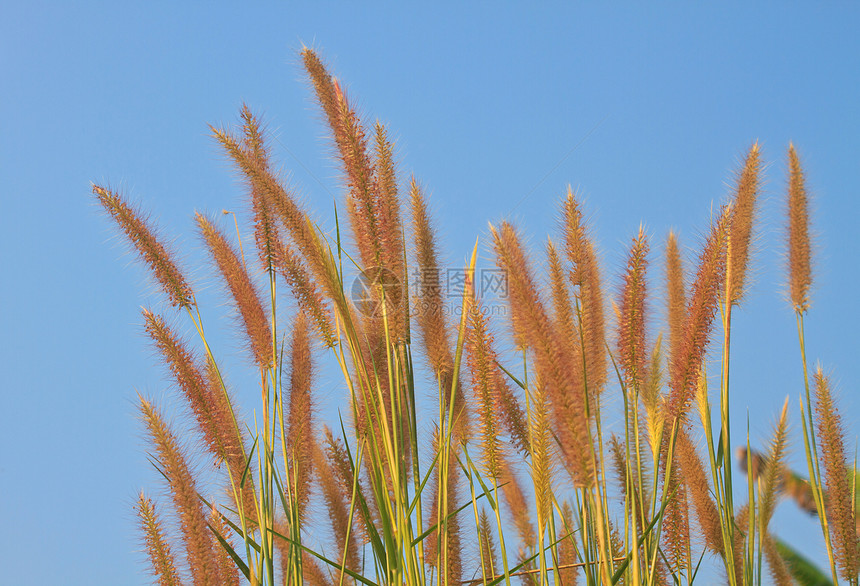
799	247
840	485
743	213
192	519
245	296
157	548
154	253
546	387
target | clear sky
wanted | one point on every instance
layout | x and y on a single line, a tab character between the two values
496	108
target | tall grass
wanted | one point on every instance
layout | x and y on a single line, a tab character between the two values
513	474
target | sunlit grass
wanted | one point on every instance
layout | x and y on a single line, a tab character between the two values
520	479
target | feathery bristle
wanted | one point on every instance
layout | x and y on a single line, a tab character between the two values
312	572
563	317
253	132
154	253
652	398
743	217
245	294
701	309
452	557
560	294
739	542
552	357
157	548
305	290
207	399
567	547
344	477
628	482
233	442
337	500
776	563
191	381
489	551
676	526
265	231
195	534
300	419
676	297
619	463
542	453
361	174
429	308
840	510
631	329
322	82
515	498
296	221
692	471
391	231
361	178
585	277
511	413
799	243
443	550
481	362
771	484
773	471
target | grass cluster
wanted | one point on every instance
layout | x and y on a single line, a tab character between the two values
516	478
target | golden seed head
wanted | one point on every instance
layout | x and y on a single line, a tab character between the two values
144	239
743	217
244	293
631	328
799	242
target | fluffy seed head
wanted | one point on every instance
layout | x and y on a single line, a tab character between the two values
743	216
481	362
144	239
337	500
701	310
531	324
209	403
195	533
489	551
300	409
585	277
244	293
157	548
696	480
774	470
515	498
631	329
305	290
838	478
429	306
676	297
265	231
799	247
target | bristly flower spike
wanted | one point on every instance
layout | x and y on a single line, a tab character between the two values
144	239
157	547
743	217
840	498
242	288
193	523
799	247
631	334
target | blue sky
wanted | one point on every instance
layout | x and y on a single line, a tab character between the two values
496	109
